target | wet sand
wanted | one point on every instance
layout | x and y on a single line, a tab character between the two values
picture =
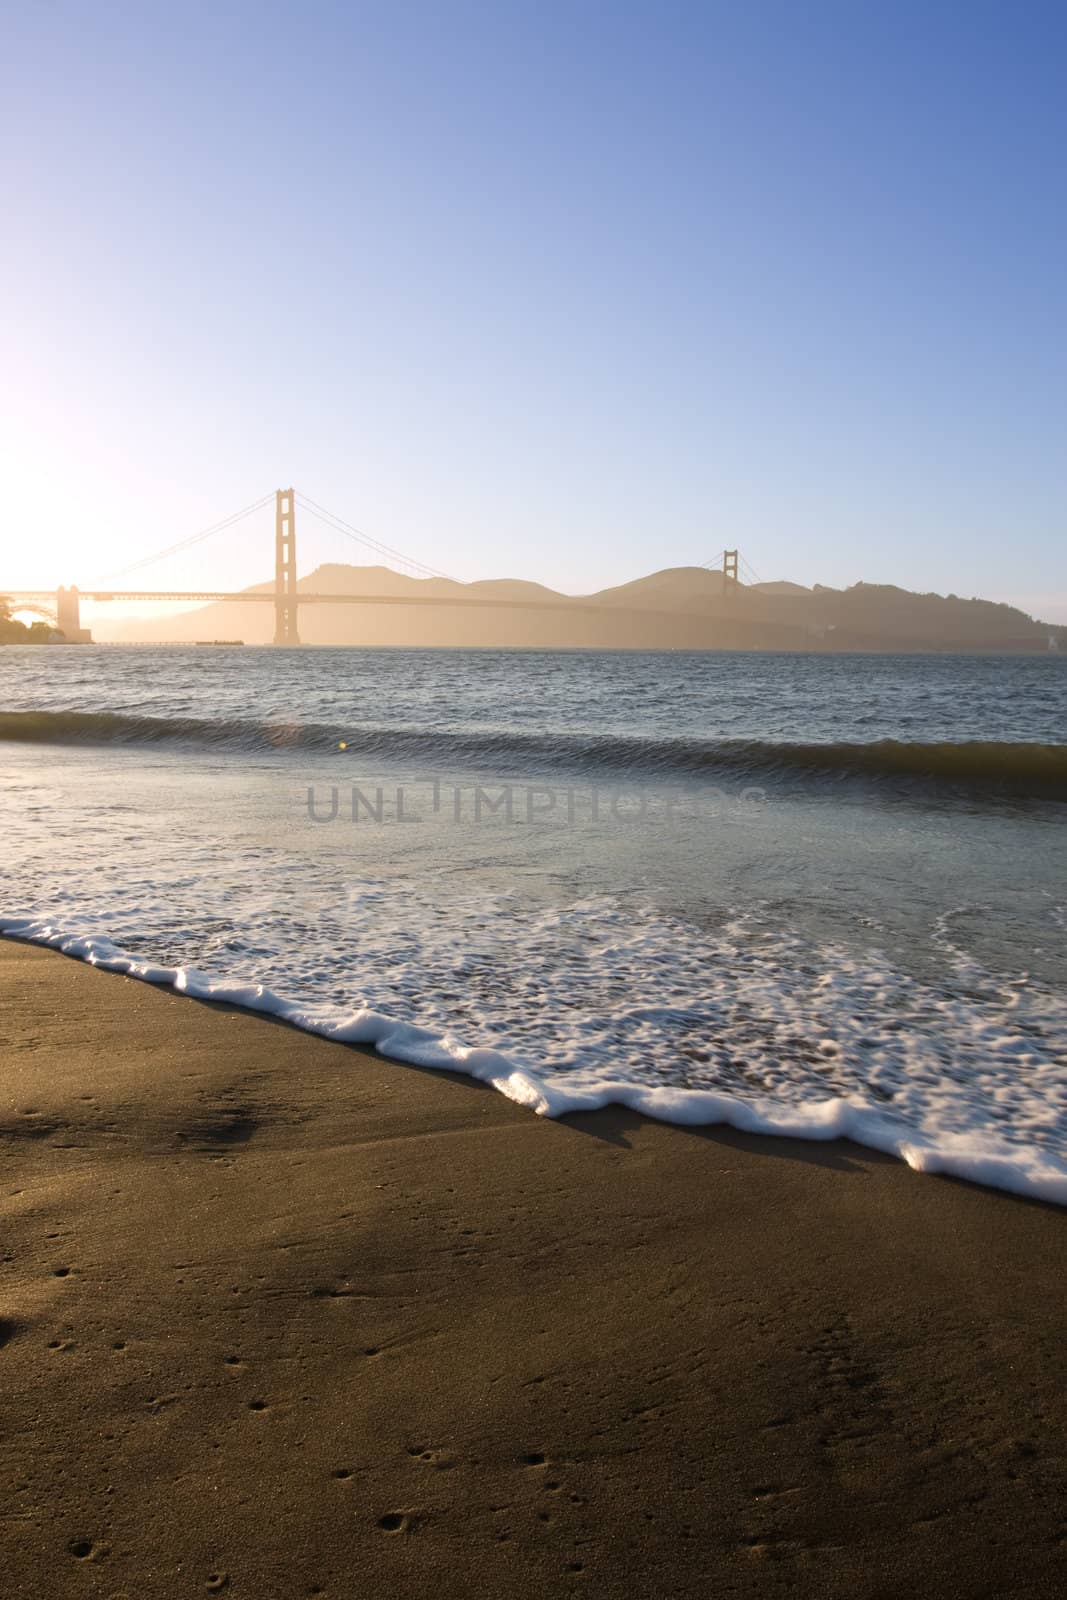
279	1318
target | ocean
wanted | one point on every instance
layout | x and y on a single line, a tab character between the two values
798	894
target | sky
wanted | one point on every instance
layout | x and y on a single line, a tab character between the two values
563	291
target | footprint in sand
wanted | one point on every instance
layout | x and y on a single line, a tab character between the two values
397	1522
86	1550
442	1460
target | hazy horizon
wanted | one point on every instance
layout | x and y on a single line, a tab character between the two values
112	621
564	295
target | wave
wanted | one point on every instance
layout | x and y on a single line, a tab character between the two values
971	1154
1018	769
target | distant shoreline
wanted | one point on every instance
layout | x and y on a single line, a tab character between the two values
550	649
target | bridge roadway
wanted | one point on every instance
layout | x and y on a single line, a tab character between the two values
268	596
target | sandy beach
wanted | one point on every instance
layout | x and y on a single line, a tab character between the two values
280	1318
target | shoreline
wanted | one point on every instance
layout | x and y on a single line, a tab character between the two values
280	1317
1000	1166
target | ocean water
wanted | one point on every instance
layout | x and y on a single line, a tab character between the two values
815	895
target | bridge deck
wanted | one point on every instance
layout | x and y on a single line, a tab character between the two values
100	596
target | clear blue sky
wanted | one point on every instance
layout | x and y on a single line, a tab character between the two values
564	291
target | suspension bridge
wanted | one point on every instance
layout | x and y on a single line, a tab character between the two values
62	607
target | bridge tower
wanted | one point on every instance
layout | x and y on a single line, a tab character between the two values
285	631
68	616
729	571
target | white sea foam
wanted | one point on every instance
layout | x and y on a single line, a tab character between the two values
966	1078
578	962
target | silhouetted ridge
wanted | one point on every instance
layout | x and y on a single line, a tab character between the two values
677	608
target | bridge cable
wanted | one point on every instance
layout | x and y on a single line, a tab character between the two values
331	520
183	544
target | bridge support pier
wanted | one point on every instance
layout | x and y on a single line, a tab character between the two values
68	616
285	603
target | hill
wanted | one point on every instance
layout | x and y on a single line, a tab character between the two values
675	608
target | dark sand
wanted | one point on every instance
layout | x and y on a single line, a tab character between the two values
283	1319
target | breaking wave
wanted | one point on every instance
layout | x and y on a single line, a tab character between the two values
1017	769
